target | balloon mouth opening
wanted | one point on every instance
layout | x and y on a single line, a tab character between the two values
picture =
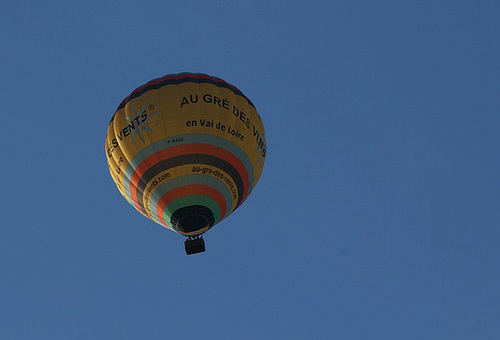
192	219
189	224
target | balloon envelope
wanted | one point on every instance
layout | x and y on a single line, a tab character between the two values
186	150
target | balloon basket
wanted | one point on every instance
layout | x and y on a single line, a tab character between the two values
194	245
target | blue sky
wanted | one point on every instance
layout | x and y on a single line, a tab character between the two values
377	215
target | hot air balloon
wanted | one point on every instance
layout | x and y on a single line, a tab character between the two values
186	150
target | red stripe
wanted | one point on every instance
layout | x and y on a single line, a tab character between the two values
194	189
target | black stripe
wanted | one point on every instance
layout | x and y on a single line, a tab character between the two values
185	78
173	162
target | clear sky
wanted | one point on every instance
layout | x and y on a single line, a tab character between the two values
378	211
